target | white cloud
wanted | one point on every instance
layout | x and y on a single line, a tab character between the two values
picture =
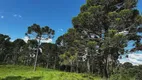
2	17
11	40
123	32
26	38
47	41
134	58
17	15
60	30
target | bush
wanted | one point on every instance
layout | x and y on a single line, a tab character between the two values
115	77
139	75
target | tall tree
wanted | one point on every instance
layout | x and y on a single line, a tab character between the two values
105	21
28	53
18	45
112	46
39	33
5	47
49	56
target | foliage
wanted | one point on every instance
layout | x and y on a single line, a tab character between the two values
127	71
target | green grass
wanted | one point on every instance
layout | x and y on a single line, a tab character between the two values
10	72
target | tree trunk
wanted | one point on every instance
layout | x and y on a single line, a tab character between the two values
35	64
88	66
71	67
77	67
5	59
54	63
15	59
47	65
106	68
92	68
66	69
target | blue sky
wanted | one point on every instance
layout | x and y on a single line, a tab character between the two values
17	15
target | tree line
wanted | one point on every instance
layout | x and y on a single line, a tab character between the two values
98	38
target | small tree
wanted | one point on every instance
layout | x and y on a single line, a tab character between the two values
39	33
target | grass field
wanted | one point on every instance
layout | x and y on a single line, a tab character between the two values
10	72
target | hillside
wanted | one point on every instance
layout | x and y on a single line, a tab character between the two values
9	72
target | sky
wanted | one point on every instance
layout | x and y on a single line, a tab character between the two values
17	15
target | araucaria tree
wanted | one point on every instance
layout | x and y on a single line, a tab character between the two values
102	30
39	33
